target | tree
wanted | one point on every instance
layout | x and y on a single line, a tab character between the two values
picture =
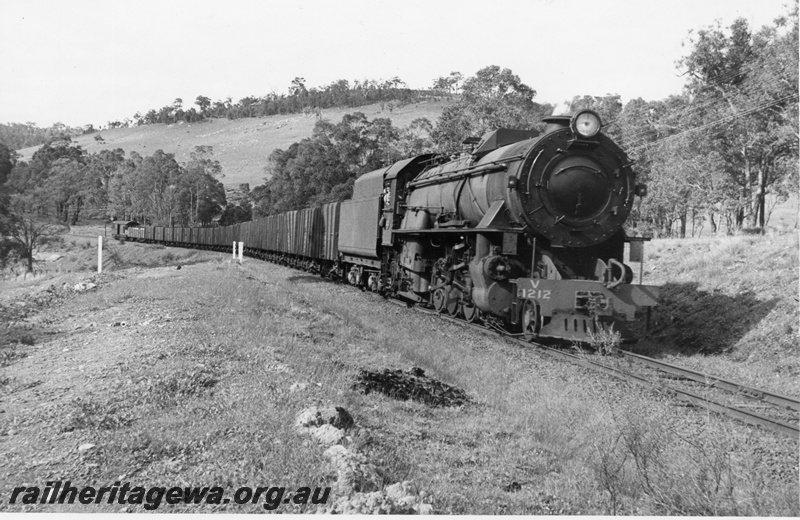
236	213
8	158
203	195
298	87
748	83
66	188
25	229
492	99
415	139
204	103
322	168
124	199
449	84
97	173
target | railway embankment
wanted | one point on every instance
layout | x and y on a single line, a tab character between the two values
729	308
160	376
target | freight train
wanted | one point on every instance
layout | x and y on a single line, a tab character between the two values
523	231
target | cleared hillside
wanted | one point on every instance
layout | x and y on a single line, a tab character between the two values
728	307
241	146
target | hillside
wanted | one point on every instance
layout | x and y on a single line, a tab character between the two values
728	306
242	146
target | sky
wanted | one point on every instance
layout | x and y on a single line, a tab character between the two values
94	61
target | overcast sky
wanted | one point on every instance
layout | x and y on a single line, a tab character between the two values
95	61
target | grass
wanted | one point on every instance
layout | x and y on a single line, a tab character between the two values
203	395
241	146
78	250
728	306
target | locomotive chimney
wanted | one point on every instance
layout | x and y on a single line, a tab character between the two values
559	119
556	123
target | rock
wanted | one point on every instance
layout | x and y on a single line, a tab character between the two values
308	418
328	435
397	499
326	425
353	472
341	418
297	387
84	286
47	257
86	446
398	490
336	416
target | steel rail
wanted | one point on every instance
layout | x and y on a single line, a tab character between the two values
717	382
745	416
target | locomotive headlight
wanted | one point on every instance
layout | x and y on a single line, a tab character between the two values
585	123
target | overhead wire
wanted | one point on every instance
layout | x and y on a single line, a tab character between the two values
636	142
641	143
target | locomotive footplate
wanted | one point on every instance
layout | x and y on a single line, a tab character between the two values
576	309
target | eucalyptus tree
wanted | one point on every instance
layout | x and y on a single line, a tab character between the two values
744	86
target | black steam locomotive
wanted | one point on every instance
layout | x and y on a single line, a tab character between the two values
524	232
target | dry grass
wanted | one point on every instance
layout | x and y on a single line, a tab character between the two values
241	146
197	390
76	252
729	307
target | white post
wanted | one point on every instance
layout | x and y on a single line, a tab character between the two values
99	254
234	249
241	248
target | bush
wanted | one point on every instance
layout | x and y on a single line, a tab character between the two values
605	342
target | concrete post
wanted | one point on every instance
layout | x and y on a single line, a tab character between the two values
99	254
241	249
234	249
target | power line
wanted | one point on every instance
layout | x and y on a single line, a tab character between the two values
724	119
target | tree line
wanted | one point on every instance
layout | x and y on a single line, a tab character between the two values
63	184
300	99
323	168
18	135
726	149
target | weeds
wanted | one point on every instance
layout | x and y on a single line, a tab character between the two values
9	355
91	414
169	390
605	342
26	339
645	460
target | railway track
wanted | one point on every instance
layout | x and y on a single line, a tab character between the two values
746	404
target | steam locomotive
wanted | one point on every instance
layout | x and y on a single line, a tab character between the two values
524	232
